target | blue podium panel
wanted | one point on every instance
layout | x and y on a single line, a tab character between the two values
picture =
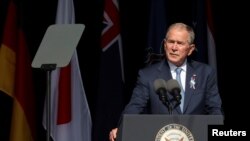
166	127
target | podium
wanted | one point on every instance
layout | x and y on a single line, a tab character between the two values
166	127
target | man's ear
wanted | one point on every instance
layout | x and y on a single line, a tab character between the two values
192	48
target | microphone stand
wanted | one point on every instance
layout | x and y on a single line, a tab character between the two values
166	102
163	96
170	108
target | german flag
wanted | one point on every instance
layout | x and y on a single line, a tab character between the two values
16	77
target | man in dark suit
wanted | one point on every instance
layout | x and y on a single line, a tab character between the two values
197	80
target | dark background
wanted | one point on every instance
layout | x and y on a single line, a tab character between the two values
231	37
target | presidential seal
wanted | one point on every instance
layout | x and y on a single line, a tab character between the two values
174	132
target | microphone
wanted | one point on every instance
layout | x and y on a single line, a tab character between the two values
174	89
161	89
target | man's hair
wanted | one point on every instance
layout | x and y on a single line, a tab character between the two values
188	28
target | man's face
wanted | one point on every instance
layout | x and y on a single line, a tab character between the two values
177	47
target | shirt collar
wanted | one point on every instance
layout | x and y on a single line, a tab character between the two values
173	67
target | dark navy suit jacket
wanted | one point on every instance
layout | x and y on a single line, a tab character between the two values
203	99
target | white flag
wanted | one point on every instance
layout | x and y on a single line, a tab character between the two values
70	115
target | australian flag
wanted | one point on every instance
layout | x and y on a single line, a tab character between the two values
110	98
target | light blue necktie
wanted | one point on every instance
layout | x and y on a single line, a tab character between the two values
178	78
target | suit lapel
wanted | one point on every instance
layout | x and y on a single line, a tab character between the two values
188	90
164	71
